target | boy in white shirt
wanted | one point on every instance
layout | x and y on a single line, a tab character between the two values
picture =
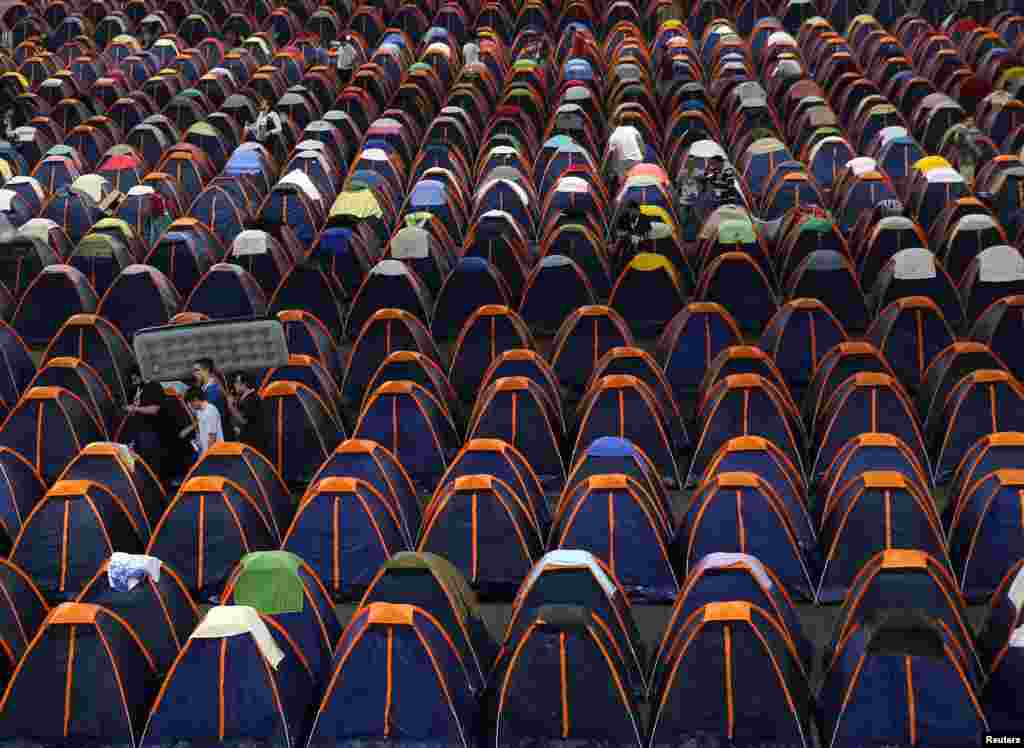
626	147
208	423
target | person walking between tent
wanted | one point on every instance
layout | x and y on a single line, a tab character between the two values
626	150
208	380
632	228
208	428
246	410
155	442
267	124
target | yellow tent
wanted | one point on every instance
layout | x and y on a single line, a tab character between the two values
648	262
928	163
358	204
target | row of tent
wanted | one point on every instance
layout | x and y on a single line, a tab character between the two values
361	506
813	387
417	664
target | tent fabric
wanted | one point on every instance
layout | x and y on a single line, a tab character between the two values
488	332
98	523
714	522
598	513
985	515
434	584
872	497
345	554
372	462
387	330
425	661
517	410
23	612
284	588
302	430
583	338
126	475
65	290
205	553
200	700
487	531
577	577
413	425
721	577
777	710
97	342
110	677
703	327
865	668
66	424
916	580
603	708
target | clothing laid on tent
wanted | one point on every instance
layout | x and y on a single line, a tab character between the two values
208	526
284	588
234	680
606	513
150	597
69	533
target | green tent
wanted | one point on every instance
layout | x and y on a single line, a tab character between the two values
736	231
269	581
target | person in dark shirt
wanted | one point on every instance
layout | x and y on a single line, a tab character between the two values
157	440
246	410
632	228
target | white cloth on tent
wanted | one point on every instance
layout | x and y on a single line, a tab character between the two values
862	165
1017	638
725	560
126	570
235	620
410	243
1016	593
249	242
304	183
1000	264
572	559
914	264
